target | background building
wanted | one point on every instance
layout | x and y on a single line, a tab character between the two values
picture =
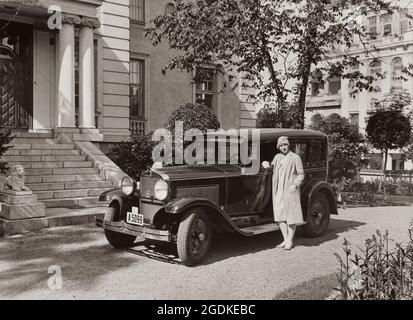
392	35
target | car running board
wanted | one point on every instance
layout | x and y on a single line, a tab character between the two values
262	228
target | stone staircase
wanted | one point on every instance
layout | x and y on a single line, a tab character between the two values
62	176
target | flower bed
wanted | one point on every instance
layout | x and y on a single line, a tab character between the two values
377	271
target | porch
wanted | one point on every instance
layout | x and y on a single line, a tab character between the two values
48	74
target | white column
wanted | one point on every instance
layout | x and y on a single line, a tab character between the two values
66	67
86	74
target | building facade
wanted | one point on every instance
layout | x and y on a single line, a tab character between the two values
392	35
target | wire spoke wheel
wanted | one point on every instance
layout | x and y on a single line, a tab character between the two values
194	237
318	216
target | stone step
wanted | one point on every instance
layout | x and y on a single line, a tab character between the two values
38	164
77	164
58	217
62	193
34	140
79	202
43	158
45	152
52	164
20	146
32	135
65	178
21	158
55	217
71	185
58	171
60	146
43	146
64	158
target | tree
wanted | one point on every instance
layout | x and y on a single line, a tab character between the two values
347	150
389	128
274	45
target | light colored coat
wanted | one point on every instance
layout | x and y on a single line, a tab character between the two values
291	211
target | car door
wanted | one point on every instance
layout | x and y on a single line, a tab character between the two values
250	194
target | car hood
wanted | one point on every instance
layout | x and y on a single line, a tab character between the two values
187	172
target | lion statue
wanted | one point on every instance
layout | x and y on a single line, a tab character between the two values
15	181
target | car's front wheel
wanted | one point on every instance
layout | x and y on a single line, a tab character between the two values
318	216
116	239
194	237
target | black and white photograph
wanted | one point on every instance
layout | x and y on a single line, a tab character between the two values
206	150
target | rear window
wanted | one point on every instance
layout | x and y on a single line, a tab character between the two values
317	154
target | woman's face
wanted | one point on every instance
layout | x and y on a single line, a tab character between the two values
284	148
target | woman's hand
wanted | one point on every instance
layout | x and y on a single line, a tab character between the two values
293	187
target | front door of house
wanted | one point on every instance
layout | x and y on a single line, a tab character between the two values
16	89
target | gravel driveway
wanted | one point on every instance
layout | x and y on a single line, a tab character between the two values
237	268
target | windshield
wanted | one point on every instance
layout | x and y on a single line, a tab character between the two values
230	151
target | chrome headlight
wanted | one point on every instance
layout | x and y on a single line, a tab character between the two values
128	185
161	190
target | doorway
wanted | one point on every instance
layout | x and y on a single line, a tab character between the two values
16	75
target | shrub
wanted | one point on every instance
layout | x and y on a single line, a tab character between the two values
193	116
268	117
134	155
5	139
400	188
377	272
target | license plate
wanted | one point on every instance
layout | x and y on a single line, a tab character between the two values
134	217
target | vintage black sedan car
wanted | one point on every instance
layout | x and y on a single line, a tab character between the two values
185	204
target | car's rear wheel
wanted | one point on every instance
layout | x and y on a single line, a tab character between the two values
116	239
194	237
318	216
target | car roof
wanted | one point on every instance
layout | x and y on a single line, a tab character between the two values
271	133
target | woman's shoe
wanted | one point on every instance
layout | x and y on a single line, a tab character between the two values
288	246
281	245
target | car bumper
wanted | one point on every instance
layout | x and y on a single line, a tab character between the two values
126	228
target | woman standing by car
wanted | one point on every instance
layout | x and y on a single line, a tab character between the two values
288	175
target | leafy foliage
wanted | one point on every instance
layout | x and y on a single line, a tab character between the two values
347	150
193	116
389	127
274	45
271	116
5	139
378	272
134	155
407	151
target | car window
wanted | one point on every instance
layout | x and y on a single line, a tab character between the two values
317	154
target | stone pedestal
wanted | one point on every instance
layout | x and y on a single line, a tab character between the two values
20	205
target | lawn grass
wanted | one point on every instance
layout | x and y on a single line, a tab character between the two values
315	289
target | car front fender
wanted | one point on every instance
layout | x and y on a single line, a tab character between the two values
112	194
181	205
